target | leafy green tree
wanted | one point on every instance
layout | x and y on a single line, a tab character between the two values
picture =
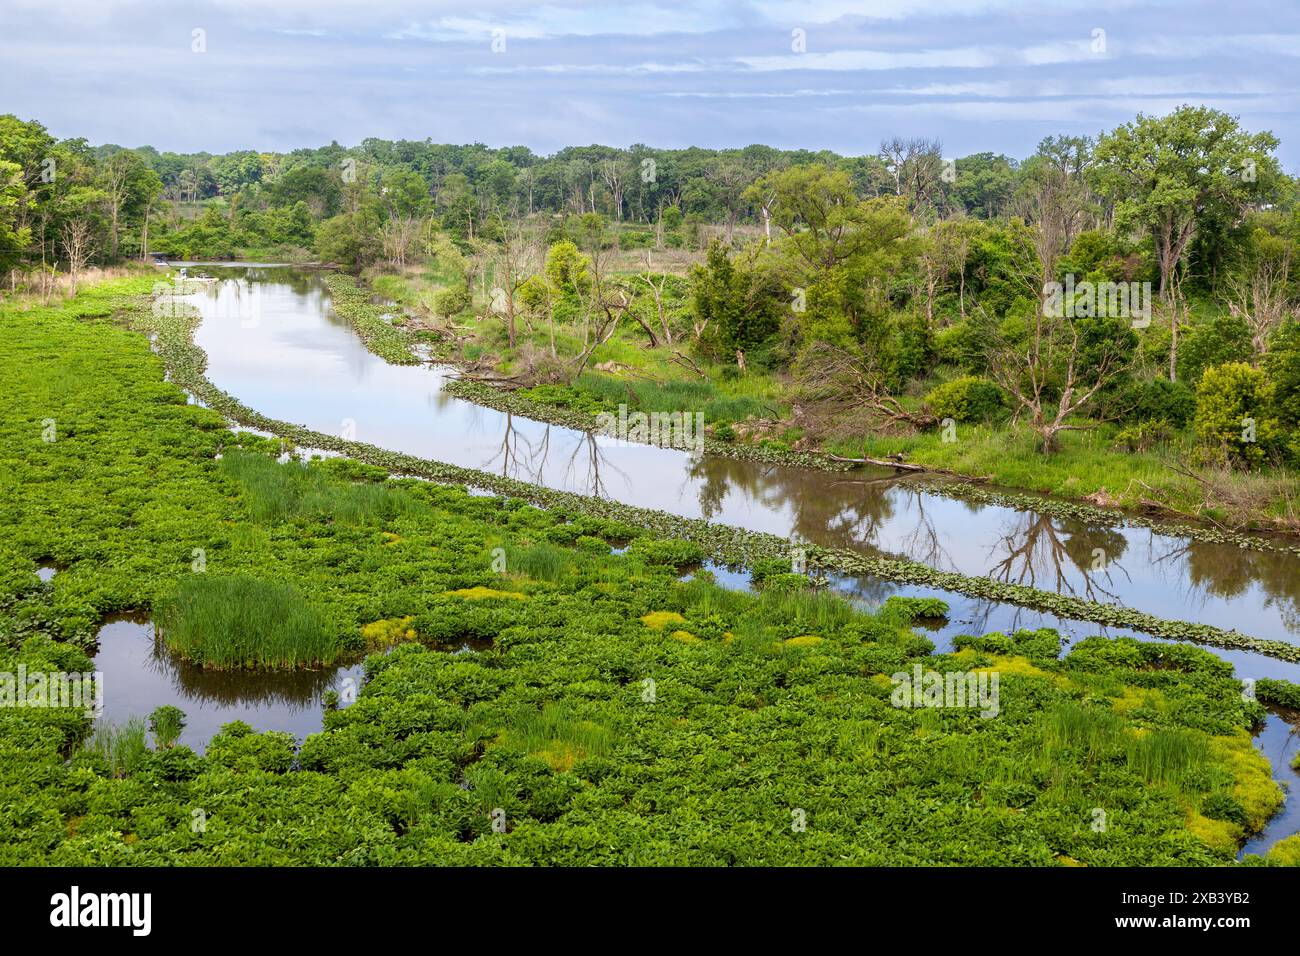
350	239
1172	175
13	238
404	193
1282	366
983	184
736	307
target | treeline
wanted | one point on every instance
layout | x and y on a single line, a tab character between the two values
127	201
984	286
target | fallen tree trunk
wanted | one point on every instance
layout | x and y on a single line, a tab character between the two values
899	465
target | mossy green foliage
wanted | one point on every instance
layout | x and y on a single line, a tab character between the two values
594	738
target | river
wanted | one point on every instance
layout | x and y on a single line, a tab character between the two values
274	342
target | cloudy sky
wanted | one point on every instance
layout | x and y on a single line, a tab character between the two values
840	74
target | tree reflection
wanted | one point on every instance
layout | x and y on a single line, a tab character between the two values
1226	572
842	513
524	459
1040	554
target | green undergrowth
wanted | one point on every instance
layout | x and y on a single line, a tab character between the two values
541	699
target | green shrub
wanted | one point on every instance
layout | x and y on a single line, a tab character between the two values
966	399
1157	399
913	347
452	300
1232	406
1219	340
1143	436
960	345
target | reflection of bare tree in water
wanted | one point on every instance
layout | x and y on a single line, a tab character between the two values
595	462
524	459
1036	549
511	438
922	543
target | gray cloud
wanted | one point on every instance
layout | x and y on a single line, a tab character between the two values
977	74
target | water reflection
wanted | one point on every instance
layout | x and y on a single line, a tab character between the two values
140	673
1279	741
298	361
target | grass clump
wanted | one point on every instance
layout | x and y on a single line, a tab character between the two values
279	492
231	622
556	734
120	747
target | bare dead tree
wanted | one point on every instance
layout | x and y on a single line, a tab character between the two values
656	287
612	172
115	183
605	308
839	381
519	256
76	247
1261	295
398	235
1053	355
1054	204
916	165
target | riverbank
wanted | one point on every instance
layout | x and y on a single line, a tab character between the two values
606	712
172	331
991	465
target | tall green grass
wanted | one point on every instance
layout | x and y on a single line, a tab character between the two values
557	723
694	395
1089	732
231	622
809	610
278	492
541	562
121	746
1166	754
